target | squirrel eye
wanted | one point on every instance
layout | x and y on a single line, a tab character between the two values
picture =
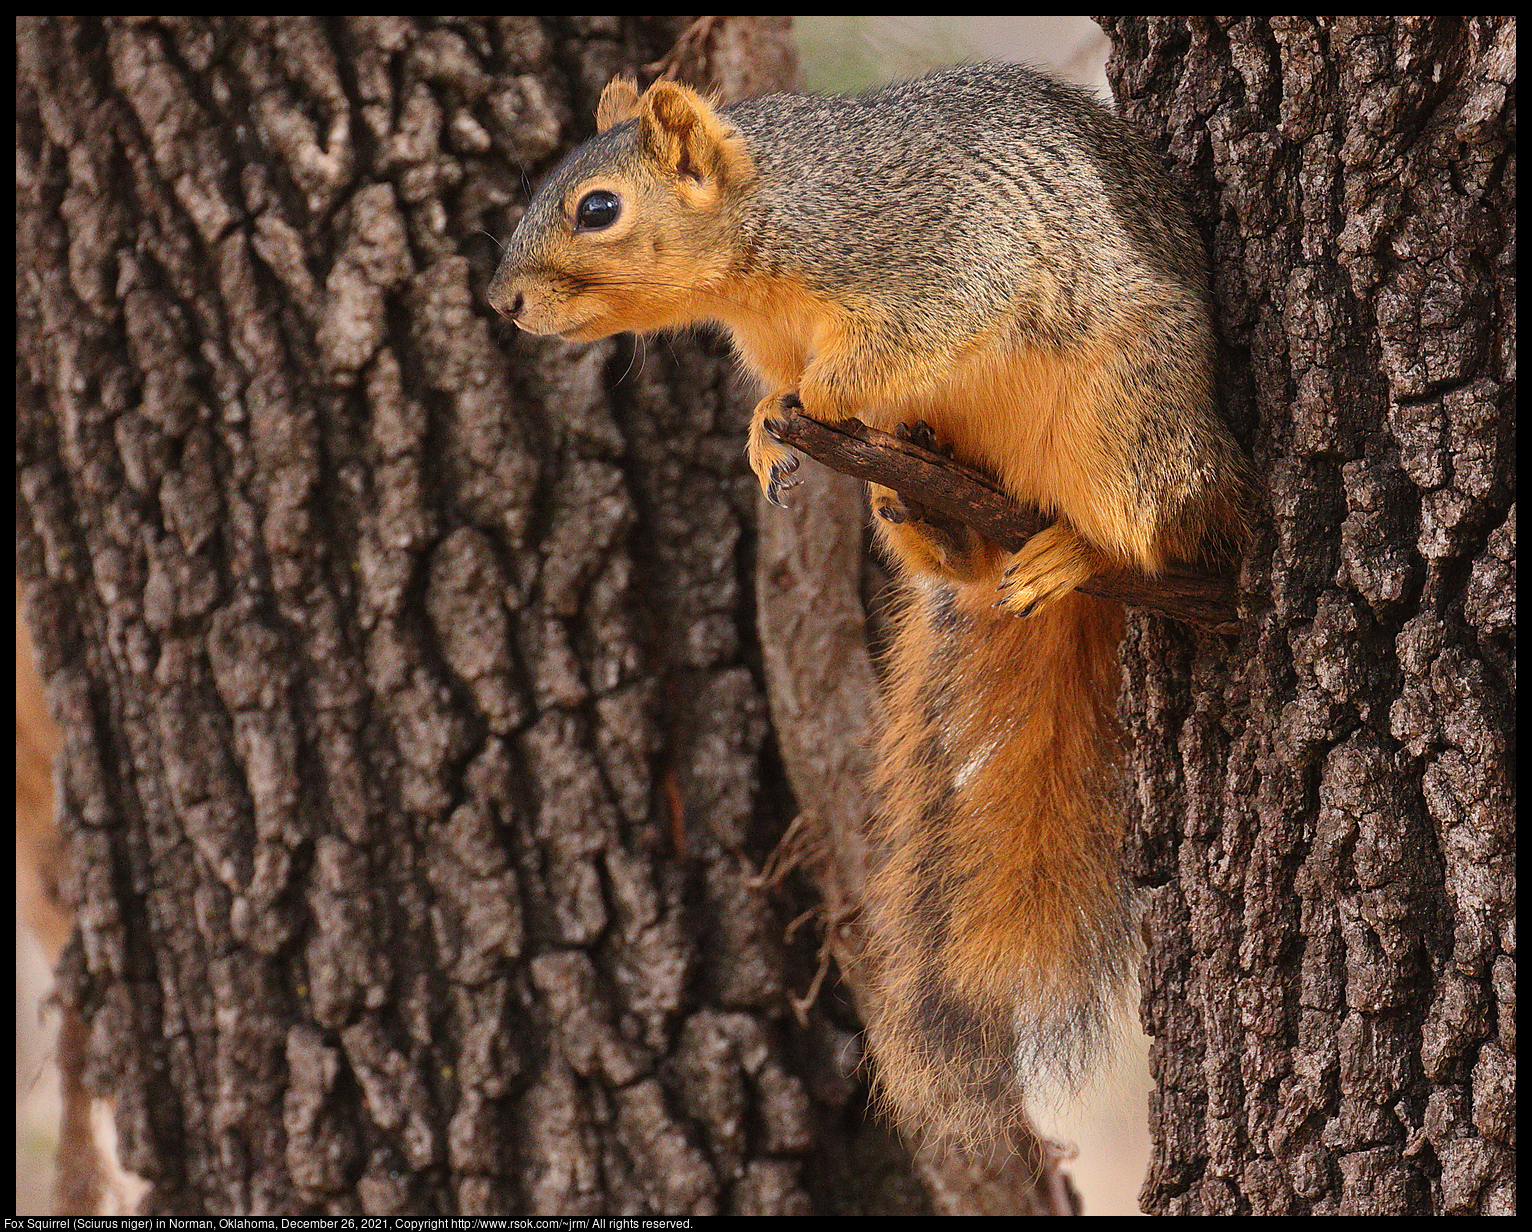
597	210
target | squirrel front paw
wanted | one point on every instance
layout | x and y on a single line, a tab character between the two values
924	540
924	435
772	461
892	507
1045	569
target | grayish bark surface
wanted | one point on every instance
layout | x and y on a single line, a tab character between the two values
1324	808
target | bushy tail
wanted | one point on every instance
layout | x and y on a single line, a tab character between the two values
1000	933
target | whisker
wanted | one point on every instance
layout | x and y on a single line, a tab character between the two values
632	355
587	283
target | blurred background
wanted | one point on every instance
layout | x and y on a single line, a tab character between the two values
844	54
1107	1125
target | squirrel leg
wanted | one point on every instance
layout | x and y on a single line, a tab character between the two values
772	461
922	540
1045	569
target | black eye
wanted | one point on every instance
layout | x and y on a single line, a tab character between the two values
597	210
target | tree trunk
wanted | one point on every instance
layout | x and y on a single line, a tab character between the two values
415	760
1323	808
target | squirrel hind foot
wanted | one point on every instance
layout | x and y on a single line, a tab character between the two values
1045	569
922	435
923	539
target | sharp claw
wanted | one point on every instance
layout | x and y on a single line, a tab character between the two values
1007	600
789	466
777	485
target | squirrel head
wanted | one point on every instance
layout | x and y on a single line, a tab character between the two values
635	226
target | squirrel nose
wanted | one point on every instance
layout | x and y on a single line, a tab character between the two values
502	298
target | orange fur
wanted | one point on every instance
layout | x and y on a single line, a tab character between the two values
778	325
618	103
1032	419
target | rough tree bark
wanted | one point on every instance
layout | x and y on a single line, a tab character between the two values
415	756
1324	807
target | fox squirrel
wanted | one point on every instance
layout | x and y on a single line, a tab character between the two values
987	258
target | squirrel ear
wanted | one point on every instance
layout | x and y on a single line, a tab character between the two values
619	102
686	137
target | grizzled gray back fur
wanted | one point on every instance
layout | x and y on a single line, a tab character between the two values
1043	170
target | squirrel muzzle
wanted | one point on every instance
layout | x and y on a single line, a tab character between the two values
633	229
